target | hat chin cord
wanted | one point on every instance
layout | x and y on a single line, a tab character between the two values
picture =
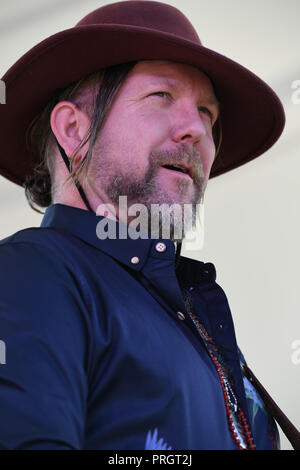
77	184
177	254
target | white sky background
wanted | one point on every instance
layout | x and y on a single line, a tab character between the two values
252	227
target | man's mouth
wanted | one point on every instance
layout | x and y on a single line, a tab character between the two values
178	168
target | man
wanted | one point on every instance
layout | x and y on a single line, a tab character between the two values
114	341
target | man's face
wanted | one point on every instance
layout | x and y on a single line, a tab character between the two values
162	116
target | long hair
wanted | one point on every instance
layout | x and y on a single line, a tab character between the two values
40	138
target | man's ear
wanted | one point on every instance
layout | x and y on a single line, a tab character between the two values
70	126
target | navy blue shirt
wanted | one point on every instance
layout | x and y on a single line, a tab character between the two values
95	361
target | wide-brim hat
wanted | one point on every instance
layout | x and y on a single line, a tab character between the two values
252	116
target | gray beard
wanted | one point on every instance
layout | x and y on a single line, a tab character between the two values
168	222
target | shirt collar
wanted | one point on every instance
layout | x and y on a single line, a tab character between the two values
82	224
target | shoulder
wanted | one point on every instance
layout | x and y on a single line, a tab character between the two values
41	244
34	256
33	237
29	250
36	283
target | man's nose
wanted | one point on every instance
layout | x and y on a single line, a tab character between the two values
188	125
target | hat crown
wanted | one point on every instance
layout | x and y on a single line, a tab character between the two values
144	14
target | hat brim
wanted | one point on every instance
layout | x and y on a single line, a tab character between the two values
252	115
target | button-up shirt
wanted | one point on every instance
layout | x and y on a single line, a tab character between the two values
94	360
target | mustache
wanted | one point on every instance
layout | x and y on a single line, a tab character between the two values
184	155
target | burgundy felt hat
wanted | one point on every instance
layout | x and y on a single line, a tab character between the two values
252	115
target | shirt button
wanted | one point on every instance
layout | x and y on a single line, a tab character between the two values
181	316
160	247
135	260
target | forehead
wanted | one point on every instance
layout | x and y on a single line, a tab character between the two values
171	73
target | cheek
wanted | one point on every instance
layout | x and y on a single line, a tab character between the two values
153	127
208	152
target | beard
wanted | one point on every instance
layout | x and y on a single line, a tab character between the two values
168	215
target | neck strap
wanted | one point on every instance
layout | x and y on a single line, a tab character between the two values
77	184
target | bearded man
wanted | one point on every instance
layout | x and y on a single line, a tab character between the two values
114	340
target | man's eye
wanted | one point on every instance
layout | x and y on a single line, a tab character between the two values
205	110
162	94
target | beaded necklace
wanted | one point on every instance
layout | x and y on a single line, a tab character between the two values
237	421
